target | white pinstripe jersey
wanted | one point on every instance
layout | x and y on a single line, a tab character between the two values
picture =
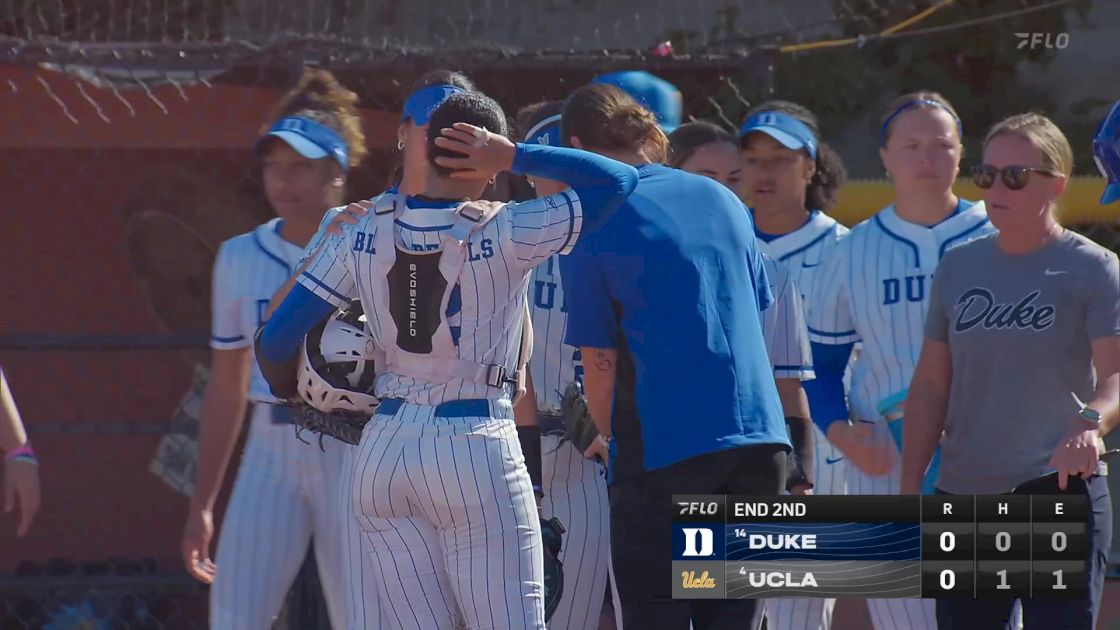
486	305
803	249
554	363
783	325
249	268
875	289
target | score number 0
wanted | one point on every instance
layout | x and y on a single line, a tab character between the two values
948	542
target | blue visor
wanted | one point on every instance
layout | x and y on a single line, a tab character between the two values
790	132
421	103
310	139
546	132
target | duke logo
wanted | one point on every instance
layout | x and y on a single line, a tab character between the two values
978	307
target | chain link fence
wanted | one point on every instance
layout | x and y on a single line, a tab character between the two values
126	141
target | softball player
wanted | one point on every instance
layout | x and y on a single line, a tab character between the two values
874	288
426	94
575	487
286	491
709	150
441	486
789	180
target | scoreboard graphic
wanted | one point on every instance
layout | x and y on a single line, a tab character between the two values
727	547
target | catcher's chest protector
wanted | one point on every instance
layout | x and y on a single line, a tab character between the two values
417	288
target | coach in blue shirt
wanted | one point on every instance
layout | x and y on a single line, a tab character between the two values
664	300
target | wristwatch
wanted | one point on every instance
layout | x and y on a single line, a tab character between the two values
1090	415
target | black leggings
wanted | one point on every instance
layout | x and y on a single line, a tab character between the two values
1067	614
641	534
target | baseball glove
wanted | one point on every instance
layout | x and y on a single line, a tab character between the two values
577	419
341	426
552	535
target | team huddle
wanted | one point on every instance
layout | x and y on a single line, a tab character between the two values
673	311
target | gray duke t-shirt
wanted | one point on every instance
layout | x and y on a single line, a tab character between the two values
1019	329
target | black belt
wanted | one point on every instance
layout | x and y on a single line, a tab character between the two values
551	424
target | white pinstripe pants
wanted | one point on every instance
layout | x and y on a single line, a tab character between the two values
443	496
575	491
286	493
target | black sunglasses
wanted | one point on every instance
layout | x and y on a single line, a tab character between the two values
1014	177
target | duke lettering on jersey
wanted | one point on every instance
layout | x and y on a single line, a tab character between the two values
915	288
978	307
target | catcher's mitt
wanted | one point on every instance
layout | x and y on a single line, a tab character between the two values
341	426
552	535
577	419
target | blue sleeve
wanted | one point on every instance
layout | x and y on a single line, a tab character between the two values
591	318
826	392
600	182
285	330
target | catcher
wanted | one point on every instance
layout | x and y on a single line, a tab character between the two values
337	369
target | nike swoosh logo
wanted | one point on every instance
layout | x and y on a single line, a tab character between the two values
1051	272
805	265
829	460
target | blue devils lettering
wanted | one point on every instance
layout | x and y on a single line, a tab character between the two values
978	307
487	246
915	289
540	299
363	242
419	247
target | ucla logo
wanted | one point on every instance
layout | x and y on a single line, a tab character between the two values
978	307
912	287
689	579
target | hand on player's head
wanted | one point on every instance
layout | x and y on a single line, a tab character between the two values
483	154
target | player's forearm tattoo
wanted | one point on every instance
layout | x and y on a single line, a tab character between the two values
602	361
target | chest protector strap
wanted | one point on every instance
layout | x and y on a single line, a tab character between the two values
412	294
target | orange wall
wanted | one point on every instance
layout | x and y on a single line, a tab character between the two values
69	189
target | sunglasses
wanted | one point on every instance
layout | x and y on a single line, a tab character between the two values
1014	177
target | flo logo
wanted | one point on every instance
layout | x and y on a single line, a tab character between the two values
1034	41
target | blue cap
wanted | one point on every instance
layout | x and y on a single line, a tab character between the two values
790	132
1106	153
546	132
423	102
654	93
309	138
